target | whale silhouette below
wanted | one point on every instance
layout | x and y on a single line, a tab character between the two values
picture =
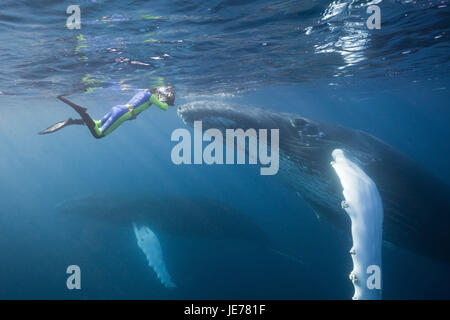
151	215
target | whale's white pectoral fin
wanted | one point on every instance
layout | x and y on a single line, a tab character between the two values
149	244
363	205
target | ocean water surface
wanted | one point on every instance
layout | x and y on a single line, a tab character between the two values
317	59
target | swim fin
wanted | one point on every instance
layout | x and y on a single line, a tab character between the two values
87	120
59	125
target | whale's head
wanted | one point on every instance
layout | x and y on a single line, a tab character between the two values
81	206
103	207
295	131
306	141
221	115
215	115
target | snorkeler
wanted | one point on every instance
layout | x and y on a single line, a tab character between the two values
162	97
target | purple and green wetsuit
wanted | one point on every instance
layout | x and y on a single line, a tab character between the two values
120	113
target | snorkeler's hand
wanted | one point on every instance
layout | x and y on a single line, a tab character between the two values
162	105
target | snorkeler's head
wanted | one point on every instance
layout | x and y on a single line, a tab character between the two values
165	94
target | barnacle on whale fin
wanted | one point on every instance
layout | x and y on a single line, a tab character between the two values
353	278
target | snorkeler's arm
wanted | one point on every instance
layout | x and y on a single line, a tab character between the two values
154	100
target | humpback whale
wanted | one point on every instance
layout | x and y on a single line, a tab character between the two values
416	204
151	214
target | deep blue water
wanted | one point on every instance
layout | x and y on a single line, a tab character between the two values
313	58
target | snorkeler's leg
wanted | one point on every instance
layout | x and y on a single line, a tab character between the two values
88	121
115	118
59	125
105	118
76	107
